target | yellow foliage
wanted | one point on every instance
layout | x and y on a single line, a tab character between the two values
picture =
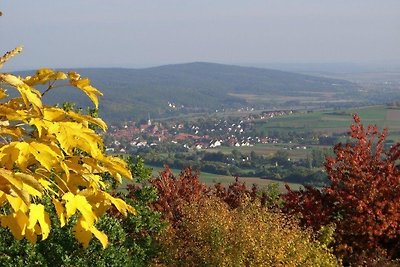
84	231
38	215
90	91
9	54
44	76
48	151
212	234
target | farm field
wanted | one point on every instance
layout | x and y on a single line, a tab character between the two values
295	151
329	122
260	149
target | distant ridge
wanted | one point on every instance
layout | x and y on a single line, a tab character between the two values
198	86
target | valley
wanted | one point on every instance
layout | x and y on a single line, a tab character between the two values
287	146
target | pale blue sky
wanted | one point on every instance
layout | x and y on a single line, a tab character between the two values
129	33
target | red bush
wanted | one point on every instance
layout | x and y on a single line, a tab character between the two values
175	192
363	199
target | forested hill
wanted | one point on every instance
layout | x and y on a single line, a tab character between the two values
191	87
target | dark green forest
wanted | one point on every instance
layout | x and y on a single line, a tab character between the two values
196	87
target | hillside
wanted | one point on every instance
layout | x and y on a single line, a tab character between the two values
194	87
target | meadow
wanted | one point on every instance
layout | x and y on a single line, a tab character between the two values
295	151
336	121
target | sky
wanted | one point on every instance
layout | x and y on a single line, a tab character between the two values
130	33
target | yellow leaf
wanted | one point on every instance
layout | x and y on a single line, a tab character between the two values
3	93
22	194
30	184
38	215
30	95
12	114
15	132
74	75
24	156
53	114
86	118
5	188
41	125
44	183
17	203
13	186
16	222
102	237
90	91
44	75
72	135
31	235
11	154
92	165
71	204
62	186
94	181
60	211
10	54
78	202
11	178
116	167
11	79
57	114
65	168
48	156
74	164
82	234
121	205
3	198
98	197
74	182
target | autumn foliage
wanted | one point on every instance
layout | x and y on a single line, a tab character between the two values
229	226
175	192
47	152
363	199
210	233
54	172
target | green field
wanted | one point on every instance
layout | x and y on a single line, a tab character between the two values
336	121
321	122
270	149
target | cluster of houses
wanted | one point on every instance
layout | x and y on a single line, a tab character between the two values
195	135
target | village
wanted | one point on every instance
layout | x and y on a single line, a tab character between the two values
197	135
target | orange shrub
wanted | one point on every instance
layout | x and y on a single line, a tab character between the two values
211	234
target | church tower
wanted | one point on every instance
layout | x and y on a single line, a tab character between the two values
149	121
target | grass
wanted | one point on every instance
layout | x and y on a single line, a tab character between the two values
336	121
270	149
